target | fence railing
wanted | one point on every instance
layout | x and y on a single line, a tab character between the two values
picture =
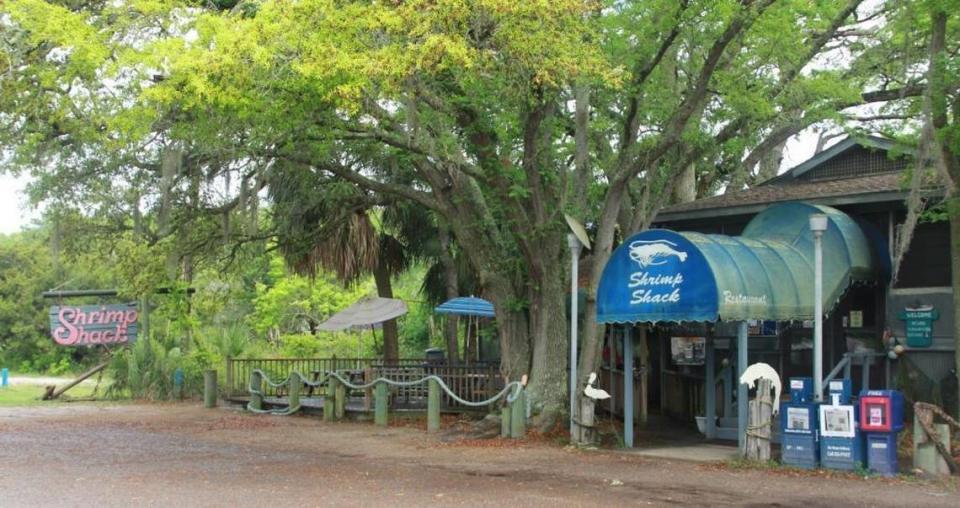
473	382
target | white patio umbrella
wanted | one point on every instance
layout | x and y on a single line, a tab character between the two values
368	311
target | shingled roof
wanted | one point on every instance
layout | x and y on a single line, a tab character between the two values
794	185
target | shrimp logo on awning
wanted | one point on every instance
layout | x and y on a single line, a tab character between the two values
654	252
653	284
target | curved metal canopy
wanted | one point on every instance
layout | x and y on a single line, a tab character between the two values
766	273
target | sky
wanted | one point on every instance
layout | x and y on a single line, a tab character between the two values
15	211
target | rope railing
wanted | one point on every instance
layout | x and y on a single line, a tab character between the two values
513	414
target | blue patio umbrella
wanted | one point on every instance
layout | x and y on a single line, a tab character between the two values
467	306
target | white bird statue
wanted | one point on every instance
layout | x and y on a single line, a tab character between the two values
762	370
595	393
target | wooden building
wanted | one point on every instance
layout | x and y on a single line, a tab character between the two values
865	179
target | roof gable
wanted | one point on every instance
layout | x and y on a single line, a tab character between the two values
847	147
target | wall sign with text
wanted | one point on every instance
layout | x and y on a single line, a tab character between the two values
919	325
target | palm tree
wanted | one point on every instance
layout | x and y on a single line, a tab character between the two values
333	231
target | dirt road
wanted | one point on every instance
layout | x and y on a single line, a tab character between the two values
184	455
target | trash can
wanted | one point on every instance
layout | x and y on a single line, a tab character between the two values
433	357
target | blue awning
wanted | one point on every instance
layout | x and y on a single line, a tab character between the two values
466	306
766	273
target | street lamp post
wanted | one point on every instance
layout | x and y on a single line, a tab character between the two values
574	243
818	224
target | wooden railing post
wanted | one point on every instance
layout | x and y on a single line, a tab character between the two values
433	406
209	388
256	395
380	404
367	393
340	400
228	375
330	401
294	389
518	416
505	413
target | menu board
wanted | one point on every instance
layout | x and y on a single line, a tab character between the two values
688	350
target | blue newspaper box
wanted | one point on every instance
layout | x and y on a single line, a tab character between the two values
881	418
882	453
801	389
798	426
841	442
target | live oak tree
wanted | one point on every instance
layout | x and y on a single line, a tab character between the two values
497	116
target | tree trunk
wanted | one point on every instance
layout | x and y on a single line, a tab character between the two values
591	345
549	372
513	327
468	340
953	209
391	342
452	283
769	165
685	190
937	95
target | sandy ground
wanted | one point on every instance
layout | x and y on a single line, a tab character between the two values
184	455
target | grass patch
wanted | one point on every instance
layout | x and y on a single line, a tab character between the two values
29	395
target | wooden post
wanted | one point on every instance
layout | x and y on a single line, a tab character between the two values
368	393
209	389
53	392
518	416
380	404
293	391
330	401
228	374
587	423
758	434
433	406
925	454
340	400
505	413
256	395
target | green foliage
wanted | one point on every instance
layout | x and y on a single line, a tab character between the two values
296	304
27	268
146	370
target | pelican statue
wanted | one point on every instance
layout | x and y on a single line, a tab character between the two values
594	393
762	370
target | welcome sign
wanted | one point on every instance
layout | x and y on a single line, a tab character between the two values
88	325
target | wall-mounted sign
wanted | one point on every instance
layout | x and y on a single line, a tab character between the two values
919	325
88	325
856	319
688	350
658	274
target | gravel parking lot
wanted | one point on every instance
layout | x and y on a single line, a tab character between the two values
184	455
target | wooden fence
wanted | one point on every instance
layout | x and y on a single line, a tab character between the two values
473	382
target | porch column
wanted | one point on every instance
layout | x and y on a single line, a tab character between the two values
628	386
741	388
711	390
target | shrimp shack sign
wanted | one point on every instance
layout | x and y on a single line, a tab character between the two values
656	275
89	325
